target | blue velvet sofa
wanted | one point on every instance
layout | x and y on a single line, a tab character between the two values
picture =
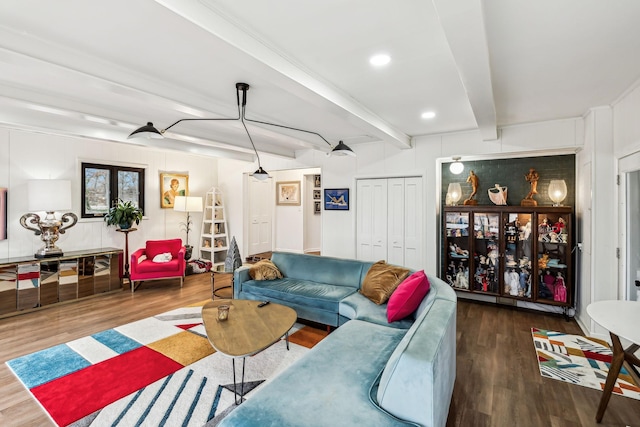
365	373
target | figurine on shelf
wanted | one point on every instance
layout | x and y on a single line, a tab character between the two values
207	244
512	282
473	180
532	178
549	281
498	195
559	227
461	279
543	261
456	251
560	291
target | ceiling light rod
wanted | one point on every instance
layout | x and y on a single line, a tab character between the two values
150	131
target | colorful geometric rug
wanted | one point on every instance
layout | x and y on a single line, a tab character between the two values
579	360
157	371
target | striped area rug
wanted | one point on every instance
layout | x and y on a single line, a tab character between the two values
157	371
579	360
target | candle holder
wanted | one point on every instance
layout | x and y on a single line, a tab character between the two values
223	312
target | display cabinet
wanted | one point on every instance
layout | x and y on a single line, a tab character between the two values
509	251
28	283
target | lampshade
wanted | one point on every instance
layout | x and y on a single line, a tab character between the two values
146	131
342	150
260	174
454	192
187	204
49	195
557	191
457	166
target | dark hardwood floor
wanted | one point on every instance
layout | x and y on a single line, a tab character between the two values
498	382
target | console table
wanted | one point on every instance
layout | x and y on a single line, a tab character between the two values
621	319
29	283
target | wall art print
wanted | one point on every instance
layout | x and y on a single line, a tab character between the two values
172	185
336	199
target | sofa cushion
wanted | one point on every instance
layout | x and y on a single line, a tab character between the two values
264	270
357	306
329	386
407	296
155	247
148	266
381	280
301	292
322	269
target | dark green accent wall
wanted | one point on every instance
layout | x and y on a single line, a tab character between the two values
510	173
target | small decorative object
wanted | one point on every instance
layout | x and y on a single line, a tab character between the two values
207	243
532	178
123	214
223	312
454	193
317	181
336	199
172	185
49	195
498	195
233	259
288	193
543	261
473	180
317	206
557	191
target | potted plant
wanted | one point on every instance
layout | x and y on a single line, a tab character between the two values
123	214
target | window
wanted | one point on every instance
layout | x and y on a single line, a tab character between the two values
103	185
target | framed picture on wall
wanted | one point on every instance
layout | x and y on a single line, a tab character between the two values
317	195
317	206
336	199
172	185
317	181
288	193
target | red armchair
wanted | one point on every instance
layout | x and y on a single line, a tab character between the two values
144	268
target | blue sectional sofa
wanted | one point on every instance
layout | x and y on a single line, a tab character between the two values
365	373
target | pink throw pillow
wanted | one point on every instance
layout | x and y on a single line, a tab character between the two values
407	296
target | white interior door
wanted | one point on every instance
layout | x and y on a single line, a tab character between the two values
396	220
260	216
629	196
413	223
371	232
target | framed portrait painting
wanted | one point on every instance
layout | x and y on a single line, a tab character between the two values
336	199
288	193
172	185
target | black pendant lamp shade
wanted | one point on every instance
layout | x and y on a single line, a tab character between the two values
342	150
146	131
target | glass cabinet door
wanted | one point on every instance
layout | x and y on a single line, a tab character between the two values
457	249
553	257
517	253
486	256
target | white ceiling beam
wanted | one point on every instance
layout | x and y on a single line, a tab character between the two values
463	25
205	16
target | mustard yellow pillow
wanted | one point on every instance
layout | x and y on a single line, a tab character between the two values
264	270
381	280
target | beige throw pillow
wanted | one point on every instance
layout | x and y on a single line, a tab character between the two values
381	280
264	270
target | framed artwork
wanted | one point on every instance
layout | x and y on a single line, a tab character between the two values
336	199
317	181
172	185
288	193
316	207
317	195
3	213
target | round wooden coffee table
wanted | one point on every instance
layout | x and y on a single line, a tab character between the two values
248	330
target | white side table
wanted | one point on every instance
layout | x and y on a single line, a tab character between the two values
622	320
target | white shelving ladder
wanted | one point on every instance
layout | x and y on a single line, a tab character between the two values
214	240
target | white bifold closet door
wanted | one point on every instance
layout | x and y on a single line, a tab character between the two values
390	220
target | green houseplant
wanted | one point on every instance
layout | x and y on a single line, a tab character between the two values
123	214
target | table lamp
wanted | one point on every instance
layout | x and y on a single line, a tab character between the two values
50	196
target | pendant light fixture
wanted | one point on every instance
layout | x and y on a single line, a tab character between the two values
150	131
457	166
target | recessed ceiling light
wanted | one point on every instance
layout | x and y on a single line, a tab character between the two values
380	60
428	115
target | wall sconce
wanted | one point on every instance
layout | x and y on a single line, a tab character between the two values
187	204
557	191
454	193
457	166
48	195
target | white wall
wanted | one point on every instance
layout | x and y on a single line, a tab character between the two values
26	155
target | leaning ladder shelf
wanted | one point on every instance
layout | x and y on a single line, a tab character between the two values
214	241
